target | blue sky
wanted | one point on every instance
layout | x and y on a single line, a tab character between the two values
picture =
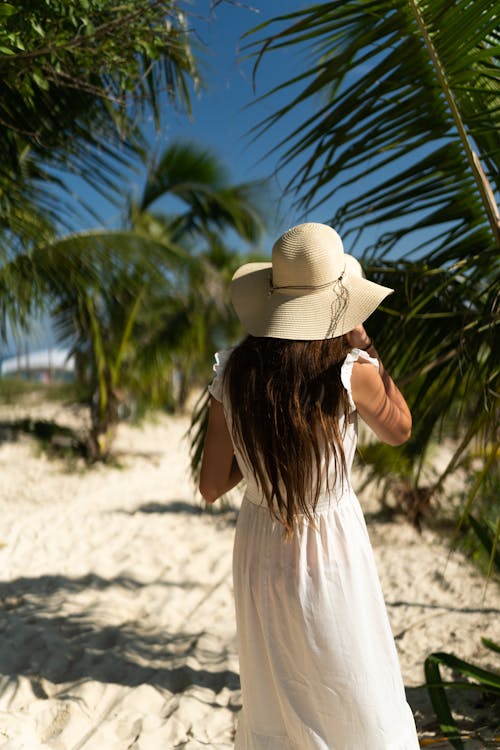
226	108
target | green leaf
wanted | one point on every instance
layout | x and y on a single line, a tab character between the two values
6	9
484	680
491	645
488	540
36	26
437	695
40	80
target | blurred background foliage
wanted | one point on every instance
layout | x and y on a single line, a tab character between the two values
146	304
76	80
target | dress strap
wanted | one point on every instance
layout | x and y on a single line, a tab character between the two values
221	359
346	370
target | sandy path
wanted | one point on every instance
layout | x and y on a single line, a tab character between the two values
116	615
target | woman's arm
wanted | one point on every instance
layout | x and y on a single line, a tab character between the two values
378	400
219	469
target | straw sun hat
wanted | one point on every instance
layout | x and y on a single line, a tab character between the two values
312	289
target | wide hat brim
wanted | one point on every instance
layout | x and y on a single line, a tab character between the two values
307	316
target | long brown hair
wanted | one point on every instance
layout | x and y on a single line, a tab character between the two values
286	401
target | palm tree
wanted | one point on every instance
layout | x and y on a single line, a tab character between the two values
159	298
401	146
210	206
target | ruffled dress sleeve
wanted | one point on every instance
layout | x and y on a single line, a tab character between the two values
346	370
215	387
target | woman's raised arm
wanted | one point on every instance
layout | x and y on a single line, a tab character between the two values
378	400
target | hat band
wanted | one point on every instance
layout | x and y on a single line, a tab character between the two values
303	287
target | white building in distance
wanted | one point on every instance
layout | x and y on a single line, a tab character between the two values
44	365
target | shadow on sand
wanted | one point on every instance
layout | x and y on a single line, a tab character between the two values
222	511
40	644
54	438
37	642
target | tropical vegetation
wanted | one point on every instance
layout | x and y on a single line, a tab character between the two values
78	79
463	675
158	307
75	80
400	147
483	681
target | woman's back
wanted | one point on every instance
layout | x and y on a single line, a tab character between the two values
288	409
334	466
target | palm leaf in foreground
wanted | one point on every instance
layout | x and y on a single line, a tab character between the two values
399	140
478	679
383	88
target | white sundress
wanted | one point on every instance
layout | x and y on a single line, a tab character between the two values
318	663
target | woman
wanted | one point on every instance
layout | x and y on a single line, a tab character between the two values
318	664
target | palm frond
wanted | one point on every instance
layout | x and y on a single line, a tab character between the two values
198	179
399	140
375	97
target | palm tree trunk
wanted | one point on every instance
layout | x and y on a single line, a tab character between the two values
104	419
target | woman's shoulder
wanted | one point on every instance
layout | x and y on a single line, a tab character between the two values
356	361
359	357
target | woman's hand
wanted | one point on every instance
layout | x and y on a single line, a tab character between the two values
358	338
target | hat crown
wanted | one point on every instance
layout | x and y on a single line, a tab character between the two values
308	254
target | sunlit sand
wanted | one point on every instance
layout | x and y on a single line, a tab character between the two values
117	625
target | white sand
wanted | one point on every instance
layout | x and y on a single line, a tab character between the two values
116	614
